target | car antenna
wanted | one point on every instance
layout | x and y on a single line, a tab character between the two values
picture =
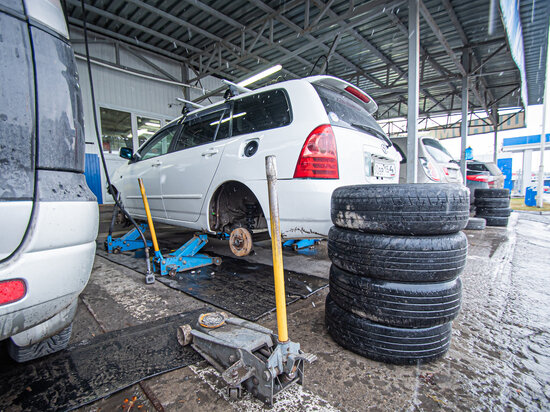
233	89
188	105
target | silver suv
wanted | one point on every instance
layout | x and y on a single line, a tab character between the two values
48	215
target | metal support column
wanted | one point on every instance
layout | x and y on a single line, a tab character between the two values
526	170
135	137
540	178
495	126
414	87
464	123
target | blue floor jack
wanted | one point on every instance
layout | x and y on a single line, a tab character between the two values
130	241
184	258
297	244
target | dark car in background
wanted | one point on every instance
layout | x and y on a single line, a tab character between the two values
495	177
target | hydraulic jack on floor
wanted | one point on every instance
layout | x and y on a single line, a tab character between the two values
298	244
247	355
182	259
130	241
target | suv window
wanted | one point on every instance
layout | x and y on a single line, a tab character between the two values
204	129
477	167
343	111
159	144
262	111
439	153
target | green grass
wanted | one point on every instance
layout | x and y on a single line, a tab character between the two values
519	204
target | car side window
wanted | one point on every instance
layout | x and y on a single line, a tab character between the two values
262	111
159	144
202	129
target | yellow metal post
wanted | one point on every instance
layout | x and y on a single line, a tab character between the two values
280	297
148	213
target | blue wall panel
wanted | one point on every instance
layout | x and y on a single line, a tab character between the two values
93	175
505	165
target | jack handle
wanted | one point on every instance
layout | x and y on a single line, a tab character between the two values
280	297
149	218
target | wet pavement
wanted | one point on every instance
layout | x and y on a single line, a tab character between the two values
499	357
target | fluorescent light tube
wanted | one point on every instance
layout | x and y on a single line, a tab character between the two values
261	75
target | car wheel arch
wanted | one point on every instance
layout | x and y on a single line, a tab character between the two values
227	207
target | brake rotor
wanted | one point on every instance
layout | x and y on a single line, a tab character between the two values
240	242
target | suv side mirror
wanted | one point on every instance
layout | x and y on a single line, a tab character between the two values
126	153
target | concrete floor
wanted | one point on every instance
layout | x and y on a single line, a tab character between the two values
499	357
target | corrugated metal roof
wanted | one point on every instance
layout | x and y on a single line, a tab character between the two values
534	19
233	39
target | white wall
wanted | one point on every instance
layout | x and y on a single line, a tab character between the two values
128	92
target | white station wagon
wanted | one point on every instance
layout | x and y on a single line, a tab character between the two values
206	169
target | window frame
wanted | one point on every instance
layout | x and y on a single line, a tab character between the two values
222	107
237	98
154	139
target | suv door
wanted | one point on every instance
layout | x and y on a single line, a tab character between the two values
146	165
186	173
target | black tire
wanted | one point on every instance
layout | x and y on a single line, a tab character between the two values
491	193
405	209
496	221
48	346
493	211
476	223
492	202
409	305
385	343
401	258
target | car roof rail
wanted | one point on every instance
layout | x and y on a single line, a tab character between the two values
234	89
188	105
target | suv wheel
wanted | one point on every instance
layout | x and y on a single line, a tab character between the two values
48	346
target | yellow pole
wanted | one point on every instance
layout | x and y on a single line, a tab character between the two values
148	213
280	297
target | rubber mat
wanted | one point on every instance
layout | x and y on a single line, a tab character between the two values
96	368
240	287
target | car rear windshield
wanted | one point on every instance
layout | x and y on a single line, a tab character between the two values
438	152
493	168
477	167
343	111
262	111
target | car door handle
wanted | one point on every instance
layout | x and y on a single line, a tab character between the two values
156	164
210	152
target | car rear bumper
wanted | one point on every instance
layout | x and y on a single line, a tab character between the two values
304	206
55	263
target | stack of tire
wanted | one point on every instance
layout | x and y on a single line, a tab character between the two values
397	252
493	205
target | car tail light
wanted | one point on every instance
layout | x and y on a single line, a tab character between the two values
318	158
445	170
430	169
478	178
358	93
12	291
